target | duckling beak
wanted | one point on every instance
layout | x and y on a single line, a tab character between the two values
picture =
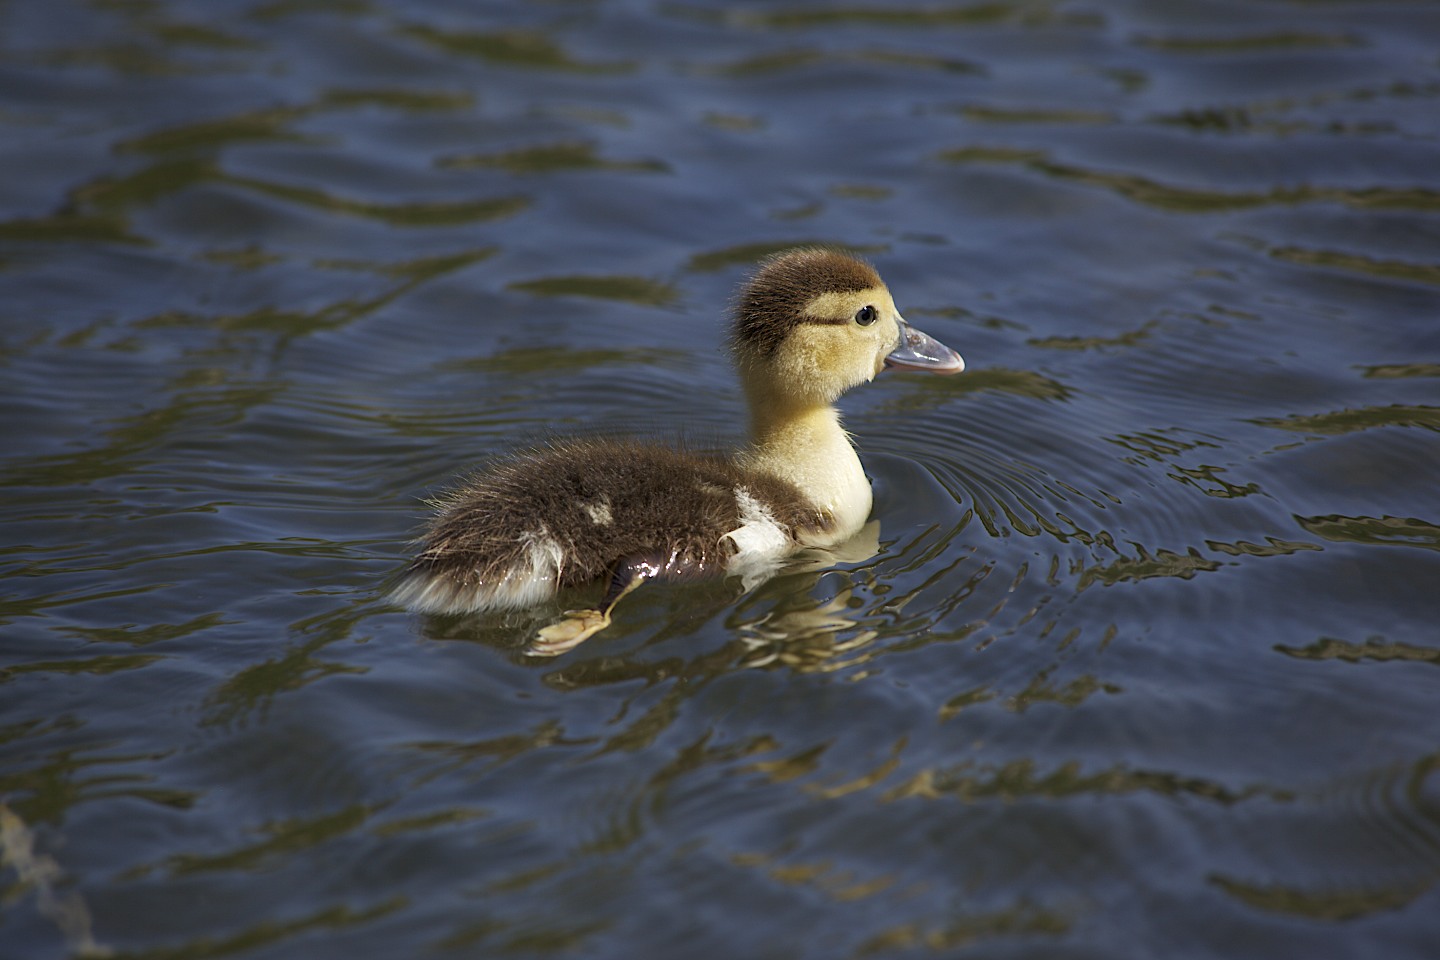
920	351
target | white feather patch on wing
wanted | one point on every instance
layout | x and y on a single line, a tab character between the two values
599	512
760	540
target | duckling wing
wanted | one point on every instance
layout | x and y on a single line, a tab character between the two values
568	513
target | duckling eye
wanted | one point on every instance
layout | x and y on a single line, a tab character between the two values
865	316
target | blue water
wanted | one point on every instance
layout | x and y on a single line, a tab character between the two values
1139	661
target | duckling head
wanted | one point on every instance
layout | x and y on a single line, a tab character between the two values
813	323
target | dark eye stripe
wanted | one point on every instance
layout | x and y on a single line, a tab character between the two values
827	321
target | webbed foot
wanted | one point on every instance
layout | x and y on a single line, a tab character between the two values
567	634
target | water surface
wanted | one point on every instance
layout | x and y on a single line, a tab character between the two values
1142	660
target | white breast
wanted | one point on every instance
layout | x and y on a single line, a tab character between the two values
812	451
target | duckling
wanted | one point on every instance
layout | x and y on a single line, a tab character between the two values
810	324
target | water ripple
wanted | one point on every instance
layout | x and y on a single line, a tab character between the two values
1181	199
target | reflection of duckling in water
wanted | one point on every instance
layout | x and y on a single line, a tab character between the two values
810	325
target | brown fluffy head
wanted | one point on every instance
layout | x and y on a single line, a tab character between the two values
773	303
810	325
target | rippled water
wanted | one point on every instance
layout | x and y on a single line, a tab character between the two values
1141	660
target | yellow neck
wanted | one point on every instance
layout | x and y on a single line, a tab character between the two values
806	445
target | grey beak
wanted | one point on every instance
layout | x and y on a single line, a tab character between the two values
920	351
